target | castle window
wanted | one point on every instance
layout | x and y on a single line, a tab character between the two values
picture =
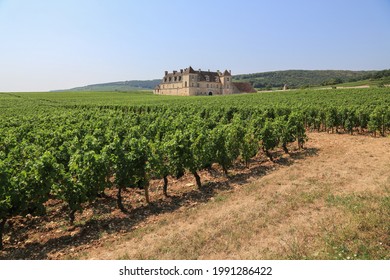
170	79
197	85
179	78
227	79
185	84
165	79
175	79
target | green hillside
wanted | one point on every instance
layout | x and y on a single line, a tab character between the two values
303	78
120	86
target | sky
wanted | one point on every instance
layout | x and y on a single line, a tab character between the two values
47	45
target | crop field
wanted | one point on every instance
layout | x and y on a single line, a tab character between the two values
82	169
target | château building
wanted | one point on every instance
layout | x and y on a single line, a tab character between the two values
191	82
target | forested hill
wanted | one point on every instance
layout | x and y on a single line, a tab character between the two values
303	78
120	86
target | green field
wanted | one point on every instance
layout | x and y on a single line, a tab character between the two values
296	98
72	146
372	83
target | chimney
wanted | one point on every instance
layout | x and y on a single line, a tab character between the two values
230	71
209	70
181	71
174	72
166	73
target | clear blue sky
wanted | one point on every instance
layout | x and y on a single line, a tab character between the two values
47	45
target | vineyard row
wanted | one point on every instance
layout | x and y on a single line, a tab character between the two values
77	154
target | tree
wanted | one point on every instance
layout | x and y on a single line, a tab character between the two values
362	118
234	136
200	153
269	138
159	163
177	148
220	153
332	118
297	128
249	145
350	120
377	121
283	132
70	191
130	158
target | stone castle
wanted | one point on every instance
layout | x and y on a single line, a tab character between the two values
191	82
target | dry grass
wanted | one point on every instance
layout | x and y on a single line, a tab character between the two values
334	205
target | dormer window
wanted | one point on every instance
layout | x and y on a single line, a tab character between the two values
207	78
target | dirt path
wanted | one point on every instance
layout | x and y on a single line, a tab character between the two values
331	204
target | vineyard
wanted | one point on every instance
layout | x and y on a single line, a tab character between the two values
73	147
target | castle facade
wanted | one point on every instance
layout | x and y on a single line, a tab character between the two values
190	82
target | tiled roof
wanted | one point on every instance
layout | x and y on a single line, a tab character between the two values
212	76
189	70
244	87
226	73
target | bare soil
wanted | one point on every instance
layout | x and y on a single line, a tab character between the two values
329	201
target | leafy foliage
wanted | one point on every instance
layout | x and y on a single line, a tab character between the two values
302	78
75	148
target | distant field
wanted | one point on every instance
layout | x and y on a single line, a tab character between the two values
371	83
366	97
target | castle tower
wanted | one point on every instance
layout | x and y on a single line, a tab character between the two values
226	81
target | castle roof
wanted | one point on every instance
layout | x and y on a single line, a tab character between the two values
207	76
244	87
226	73
189	70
